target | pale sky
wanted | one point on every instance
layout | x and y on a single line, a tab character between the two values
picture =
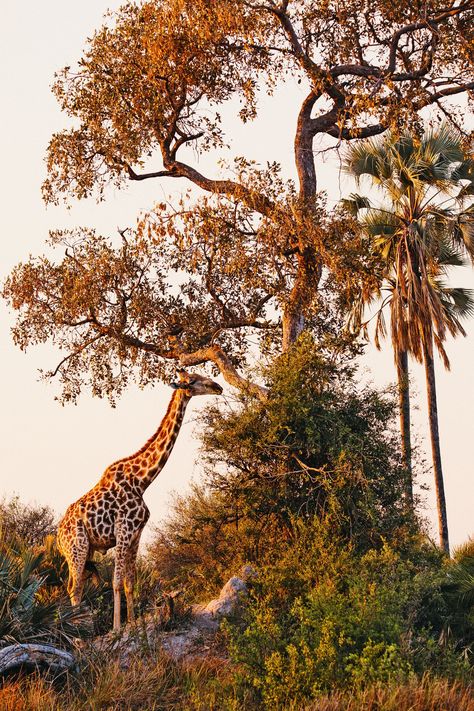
52	454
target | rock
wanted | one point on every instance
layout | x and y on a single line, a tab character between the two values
195	639
248	572
182	643
229	598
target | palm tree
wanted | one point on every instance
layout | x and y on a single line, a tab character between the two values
420	232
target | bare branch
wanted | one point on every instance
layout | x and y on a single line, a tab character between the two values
350	134
146	176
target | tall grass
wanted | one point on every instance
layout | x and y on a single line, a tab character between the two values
161	684
425	695
158	684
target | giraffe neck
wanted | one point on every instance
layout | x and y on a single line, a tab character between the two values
145	466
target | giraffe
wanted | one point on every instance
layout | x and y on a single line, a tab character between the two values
113	512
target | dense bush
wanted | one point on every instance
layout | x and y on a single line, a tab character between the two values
326	617
320	445
27	523
309	487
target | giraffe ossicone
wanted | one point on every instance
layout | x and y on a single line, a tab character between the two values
113	513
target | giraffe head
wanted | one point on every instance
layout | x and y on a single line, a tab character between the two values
195	384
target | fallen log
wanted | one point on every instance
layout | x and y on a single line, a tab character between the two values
34	656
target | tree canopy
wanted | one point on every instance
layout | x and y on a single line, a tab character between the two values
146	100
153	77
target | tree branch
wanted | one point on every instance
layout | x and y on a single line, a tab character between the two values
350	134
448	91
216	355
32	656
146	176
79	350
256	201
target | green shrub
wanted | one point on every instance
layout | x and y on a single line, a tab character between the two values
320	446
327	617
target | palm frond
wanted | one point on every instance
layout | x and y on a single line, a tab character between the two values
444	142
464	170
367	158
381	224
354	203
449	255
460	301
404	147
27	611
463	231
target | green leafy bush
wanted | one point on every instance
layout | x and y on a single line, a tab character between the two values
319	446
326	617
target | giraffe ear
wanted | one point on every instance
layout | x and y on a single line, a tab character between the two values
176	386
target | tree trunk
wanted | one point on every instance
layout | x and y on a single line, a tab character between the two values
293	320
292	326
404	407
435	446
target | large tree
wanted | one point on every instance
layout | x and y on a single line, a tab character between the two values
145	100
424	228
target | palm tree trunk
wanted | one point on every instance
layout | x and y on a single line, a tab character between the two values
435	445
404	408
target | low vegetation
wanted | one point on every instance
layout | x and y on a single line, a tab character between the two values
352	607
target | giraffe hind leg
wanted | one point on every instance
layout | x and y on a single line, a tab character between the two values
76	555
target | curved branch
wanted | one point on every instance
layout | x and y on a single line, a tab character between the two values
256	201
146	176
216	355
428	23
212	353
448	91
355	70
349	134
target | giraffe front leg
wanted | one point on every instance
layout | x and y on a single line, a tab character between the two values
117	586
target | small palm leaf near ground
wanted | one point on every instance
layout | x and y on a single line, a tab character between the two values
28	610
423	228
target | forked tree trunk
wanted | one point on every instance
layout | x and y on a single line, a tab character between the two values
404	409
435	447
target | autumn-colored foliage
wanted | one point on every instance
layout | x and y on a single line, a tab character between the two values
200	277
